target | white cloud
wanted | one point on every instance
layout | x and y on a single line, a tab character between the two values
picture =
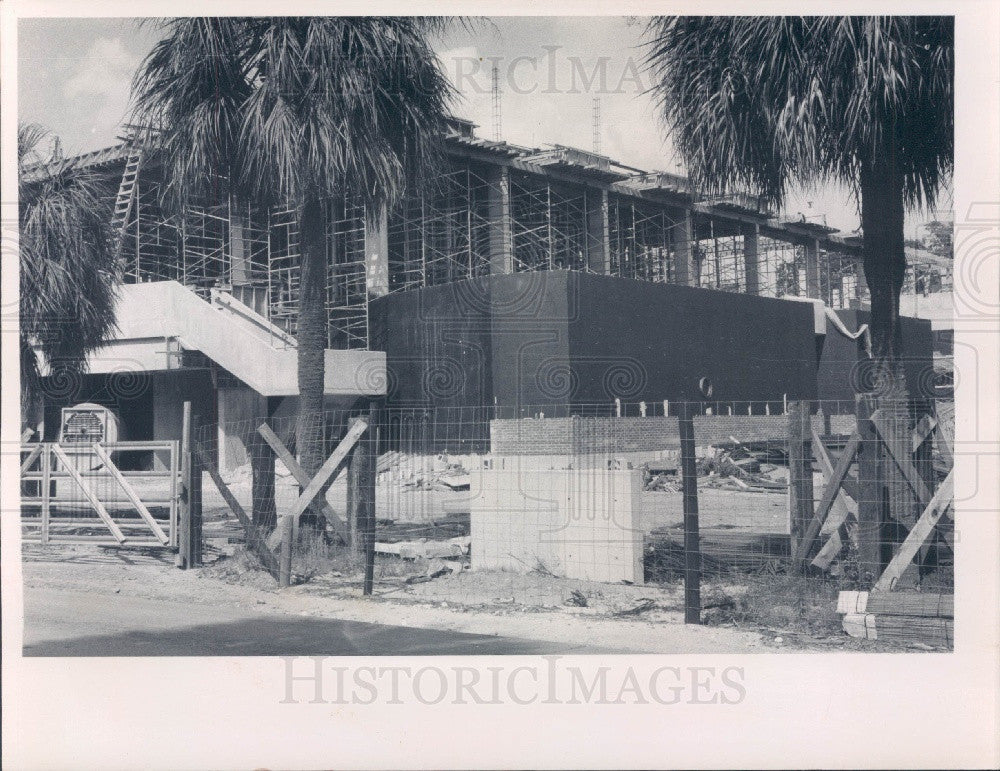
99	91
106	68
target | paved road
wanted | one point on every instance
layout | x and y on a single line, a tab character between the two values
67	623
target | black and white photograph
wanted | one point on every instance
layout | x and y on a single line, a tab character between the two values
500	361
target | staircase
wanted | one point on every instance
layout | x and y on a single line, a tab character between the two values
158	319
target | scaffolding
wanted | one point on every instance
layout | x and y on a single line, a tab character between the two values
283	273
548	222
205	258
781	268
473	219
442	233
347	275
151	245
840	281
640	240
721	262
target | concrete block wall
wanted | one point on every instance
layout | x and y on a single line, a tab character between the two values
578	523
576	436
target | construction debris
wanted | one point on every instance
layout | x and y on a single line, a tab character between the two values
435	569
424	549
424	472
641	607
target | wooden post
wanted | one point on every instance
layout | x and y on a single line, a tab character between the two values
800	481
368	448
287	526
692	550
183	559
194	503
869	494
353	509
46	458
255	541
279	449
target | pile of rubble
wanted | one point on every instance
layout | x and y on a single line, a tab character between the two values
732	465
424	472
747	466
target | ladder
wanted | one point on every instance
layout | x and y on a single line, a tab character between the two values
125	200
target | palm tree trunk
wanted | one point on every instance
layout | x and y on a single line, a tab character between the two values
887	498
885	268
311	335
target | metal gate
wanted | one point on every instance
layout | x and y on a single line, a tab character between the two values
106	492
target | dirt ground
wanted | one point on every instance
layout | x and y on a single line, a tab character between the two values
149	575
618	617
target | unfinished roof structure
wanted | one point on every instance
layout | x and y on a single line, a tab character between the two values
495	208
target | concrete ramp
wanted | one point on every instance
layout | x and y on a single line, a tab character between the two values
159	321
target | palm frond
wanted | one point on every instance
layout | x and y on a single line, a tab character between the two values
757	102
290	107
68	277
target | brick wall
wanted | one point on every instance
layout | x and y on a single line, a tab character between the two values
580	435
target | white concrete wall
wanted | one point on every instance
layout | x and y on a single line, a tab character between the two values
578	523
240	409
168	411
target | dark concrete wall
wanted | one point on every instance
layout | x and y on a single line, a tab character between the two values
642	341
842	373
530	318
549	339
437	344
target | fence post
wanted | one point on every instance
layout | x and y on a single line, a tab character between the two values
354	513
368	451
692	549
870	494
183	559
287	525
800	479
194	502
46	458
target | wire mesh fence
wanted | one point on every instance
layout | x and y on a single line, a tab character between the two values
599	503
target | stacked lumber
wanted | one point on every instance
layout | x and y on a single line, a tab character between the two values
918	618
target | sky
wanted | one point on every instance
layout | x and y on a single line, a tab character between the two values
74	77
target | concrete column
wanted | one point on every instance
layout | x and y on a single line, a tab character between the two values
501	241
751	235
812	269
598	232
239	269
377	254
681	235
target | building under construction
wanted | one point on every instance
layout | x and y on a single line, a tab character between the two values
532	280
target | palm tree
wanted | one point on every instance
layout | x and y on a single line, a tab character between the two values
296	110
68	274
761	102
